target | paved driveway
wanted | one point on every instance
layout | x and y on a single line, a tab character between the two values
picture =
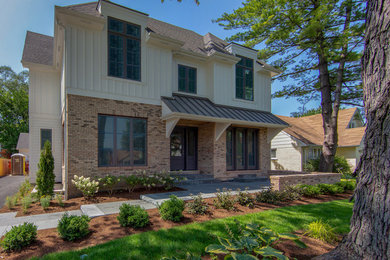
8	186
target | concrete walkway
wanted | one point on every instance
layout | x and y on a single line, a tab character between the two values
148	201
9	185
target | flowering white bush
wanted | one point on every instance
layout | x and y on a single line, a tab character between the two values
87	186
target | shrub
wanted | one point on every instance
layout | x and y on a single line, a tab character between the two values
132	181
132	216
45	201
292	193
322	231
26	203
109	183
224	200
72	227
19	237
340	165
347	185
59	200
270	196
9	202
245	199
45	175
197	206
25	188
172	209
86	186
309	190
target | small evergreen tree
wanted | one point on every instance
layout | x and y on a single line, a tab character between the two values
45	174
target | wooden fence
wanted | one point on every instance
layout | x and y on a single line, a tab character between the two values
4	169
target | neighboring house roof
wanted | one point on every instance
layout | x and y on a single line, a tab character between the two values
204	107
309	129
22	141
38	48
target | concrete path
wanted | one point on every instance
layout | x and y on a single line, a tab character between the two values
148	201
9	185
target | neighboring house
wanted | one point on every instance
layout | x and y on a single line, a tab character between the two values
302	141
116	91
23	144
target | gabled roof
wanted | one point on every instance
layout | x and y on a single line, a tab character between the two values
38	48
200	106
23	141
309	129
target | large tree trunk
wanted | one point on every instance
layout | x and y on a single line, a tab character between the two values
369	237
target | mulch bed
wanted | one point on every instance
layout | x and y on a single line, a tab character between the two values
75	203
106	228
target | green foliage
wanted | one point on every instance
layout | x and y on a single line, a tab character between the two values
347	185
109	182
172	209
71	227
13	107
19	237
330	189
132	182
309	190
340	165
322	231
132	216
26	203
25	188
197	206
270	196
188	256
87	186
45	175
303	112
10	202
252	239
45	201
224	200
59	200
245	199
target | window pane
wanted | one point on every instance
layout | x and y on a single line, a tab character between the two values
229	149
123	141
244	79
182	84
248	84
115	25
240	152
139	141
133	30
106	149
251	148
115	55
133	56
45	136
106	124
239	88
192	86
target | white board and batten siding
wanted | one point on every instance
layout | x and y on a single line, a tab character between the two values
288	153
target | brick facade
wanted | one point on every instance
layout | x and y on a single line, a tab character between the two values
82	139
280	182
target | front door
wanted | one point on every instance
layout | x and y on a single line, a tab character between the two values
184	148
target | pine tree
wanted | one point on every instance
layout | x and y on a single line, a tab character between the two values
45	174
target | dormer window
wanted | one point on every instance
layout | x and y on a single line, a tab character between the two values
124	49
187	79
244	79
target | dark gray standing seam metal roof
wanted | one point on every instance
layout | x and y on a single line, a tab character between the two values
204	107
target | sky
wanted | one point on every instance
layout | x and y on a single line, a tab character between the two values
19	16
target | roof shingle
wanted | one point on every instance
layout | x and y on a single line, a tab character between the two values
38	48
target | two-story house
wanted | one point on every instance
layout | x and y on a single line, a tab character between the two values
116	91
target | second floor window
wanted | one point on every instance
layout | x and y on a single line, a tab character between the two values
187	79
244	79
45	136
124	50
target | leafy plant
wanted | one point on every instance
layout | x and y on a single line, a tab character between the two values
45	201
26	203
109	182
347	185
19	237
188	256
25	188
292	193
340	165
71	227
10	202
45	175
224	200
132	216
245	199
322	231
309	190
87	186
330	188
172	209
59	200
197	206
132	182
270	196
251	240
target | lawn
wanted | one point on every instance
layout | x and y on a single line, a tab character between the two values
196	236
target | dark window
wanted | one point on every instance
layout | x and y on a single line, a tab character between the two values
187	79
124	50
241	149
121	141
244	79
273	153
45	136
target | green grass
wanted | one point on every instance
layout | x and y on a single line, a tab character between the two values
196	236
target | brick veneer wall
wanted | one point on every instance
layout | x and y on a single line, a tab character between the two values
82	129
280	182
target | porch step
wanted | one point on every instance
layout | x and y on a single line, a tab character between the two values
250	178
193	179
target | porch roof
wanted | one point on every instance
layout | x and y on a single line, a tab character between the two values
203	107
